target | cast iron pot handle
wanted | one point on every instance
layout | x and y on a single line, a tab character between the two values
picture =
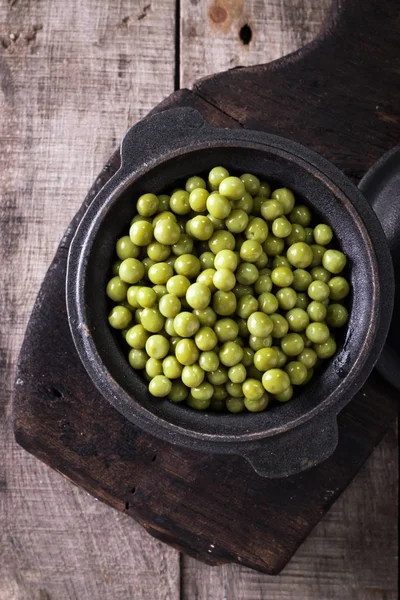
162	133
297	450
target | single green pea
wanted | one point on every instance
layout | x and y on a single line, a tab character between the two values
160	273
245	203
147	263
334	261
325	349
220	393
179	202
171	367
281	261
336	315
230	354
192	375
248	356
140	218
298	234
120	317
203	392
301	280
302	301
137	337
243	290
234	389
206	260
323	234
137	358
281	227
217	404
237	221
273	245
300	215
147	205
221	240
224	280
179	392
138	315
183	246
251	183
297	372
298	319
308	357
198	296
206	338
131	270
252	389
115	268
285	396
286	297
153	367
250	251
256	342
257	230
218	376
131	295
169	306
286	198
292	344
157	346
318	253
152	320
262	261
318	290
125	248
321	274
165	214
247	273
146	297
194	183
141	233
198	199
207	317
282	276
280	325
117	289
232	187
266	358
169	326
254	373
246	306
309	235
178	285
186	324
218	206
317	333
271	209
259	324
187	265
237	373
217	175
268	303
235	405
173	342
209	361
166	231
300	255
160	386
226	330
163	202
171	261
275	381
201	228
186	352
257	202
338	288
257	405
224	303
158	252
265	189
316	311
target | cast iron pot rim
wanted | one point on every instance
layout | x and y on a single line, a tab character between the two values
110	194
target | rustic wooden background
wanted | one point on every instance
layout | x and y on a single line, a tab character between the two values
73	76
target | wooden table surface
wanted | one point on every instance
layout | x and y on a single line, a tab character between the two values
73	77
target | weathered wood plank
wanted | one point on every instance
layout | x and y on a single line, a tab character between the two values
73	77
351	554
223	34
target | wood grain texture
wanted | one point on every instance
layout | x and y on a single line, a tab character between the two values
211	33
66	71
348	556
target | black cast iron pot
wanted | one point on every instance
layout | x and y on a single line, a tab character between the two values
156	154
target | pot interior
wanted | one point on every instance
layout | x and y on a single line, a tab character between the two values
311	187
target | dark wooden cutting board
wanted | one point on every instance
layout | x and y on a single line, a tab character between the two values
339	96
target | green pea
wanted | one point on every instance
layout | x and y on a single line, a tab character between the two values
321	274
237	373
224	303
317	333
316	311
267	303
273	245
338	288
187	265
195	182
163	202
271	209
252	389
297	372
257	405
323	234
259	324
280	261
336	315
207	260
282	276
237	221
141	233
178	285
308	357
160	386
266	358
263	284
251	183
152	320
235	405
137	358
281	227
280	325
309	235
166	231
275	381
147	205
285	396
301	280
179	392
137	337
221	240
318	253
286	297
256	342
232	187
318	290
120	317
302	301
286	198
300	255
292	344
153	367
217	175
172	368
169	306
224	280
125	248
179	202
115	268
334	261
198	199
248	356
207	317
166	214
169	326
301	215
206	338
192	375
265	189
226	330
117	289
257	230
298	319
230	354
325	349
298	234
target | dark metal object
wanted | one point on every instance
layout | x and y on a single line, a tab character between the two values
158	152
381	187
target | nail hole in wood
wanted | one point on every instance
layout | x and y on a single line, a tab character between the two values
127	505
246	34
154	458
133	490
56	392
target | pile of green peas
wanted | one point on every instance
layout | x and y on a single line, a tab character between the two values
226	293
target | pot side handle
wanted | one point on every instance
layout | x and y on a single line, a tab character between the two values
162	133
297	450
